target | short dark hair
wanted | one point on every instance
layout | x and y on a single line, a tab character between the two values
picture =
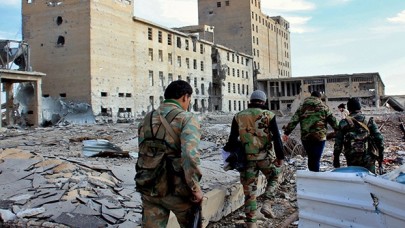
177	89
342	106
316	94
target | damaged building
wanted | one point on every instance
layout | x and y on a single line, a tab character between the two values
285	94
100	53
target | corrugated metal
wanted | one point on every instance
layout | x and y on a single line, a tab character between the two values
333	199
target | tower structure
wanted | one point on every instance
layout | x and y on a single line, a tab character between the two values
241	25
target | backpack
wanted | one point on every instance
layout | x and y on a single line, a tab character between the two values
154	167
359	140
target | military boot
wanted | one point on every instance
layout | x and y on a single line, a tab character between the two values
251	225
266	209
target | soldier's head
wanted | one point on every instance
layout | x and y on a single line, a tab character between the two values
353	104
316	94
181	91
258	97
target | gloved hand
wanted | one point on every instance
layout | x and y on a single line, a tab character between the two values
336	162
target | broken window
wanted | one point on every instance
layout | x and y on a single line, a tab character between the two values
128	95
170	58
103	94
150	54
170	78
151	78
150	35
61	41
59	20
160	36
161	79
120	94
160	55
169	39
179	61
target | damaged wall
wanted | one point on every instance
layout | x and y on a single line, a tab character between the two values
335	89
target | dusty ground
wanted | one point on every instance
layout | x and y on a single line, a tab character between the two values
66	142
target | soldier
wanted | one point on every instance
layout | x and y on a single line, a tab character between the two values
353	138
257	129
313	116
179	190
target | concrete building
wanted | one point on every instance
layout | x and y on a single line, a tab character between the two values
286	94
98	52
241	25
232	79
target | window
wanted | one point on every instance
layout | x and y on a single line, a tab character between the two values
161	79
128	95
238	88
243	74
59	20
120	94
201	49
170	58
227	56
150	35
61	41
178	77
233	57
178	42
229	71
188	63
237	73
160	55
151	78
202	65
237	59
218	4
230	106
160	36
234	105
179	61
233	88
169	39
195	82
243	89
187	43
195	64
229	87
150	54
103	94
202	89
233	72
227	3
170	78
257	41
247	74
258	54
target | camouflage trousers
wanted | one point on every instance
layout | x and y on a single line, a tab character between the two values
365	160
156	211
249	178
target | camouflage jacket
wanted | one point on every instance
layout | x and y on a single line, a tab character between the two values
345	128
313	116
187	127
257	129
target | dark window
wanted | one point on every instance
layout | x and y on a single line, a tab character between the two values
61	41
169	39
120	94
150	34
62	94
103	94
59	20
218	4
45	95
160	36
128	95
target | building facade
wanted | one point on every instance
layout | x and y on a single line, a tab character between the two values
286	94
98	52
241	25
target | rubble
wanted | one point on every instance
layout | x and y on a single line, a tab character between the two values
45	179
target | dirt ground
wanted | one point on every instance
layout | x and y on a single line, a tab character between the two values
66	142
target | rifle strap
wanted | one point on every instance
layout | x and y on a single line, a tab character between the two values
168	119
351	119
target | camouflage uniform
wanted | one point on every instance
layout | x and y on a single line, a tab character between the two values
156	209
257	130
365	159
313	116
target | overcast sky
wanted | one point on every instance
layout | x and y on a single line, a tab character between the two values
327	36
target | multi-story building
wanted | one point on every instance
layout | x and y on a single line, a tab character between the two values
98	52
241	25
232	79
